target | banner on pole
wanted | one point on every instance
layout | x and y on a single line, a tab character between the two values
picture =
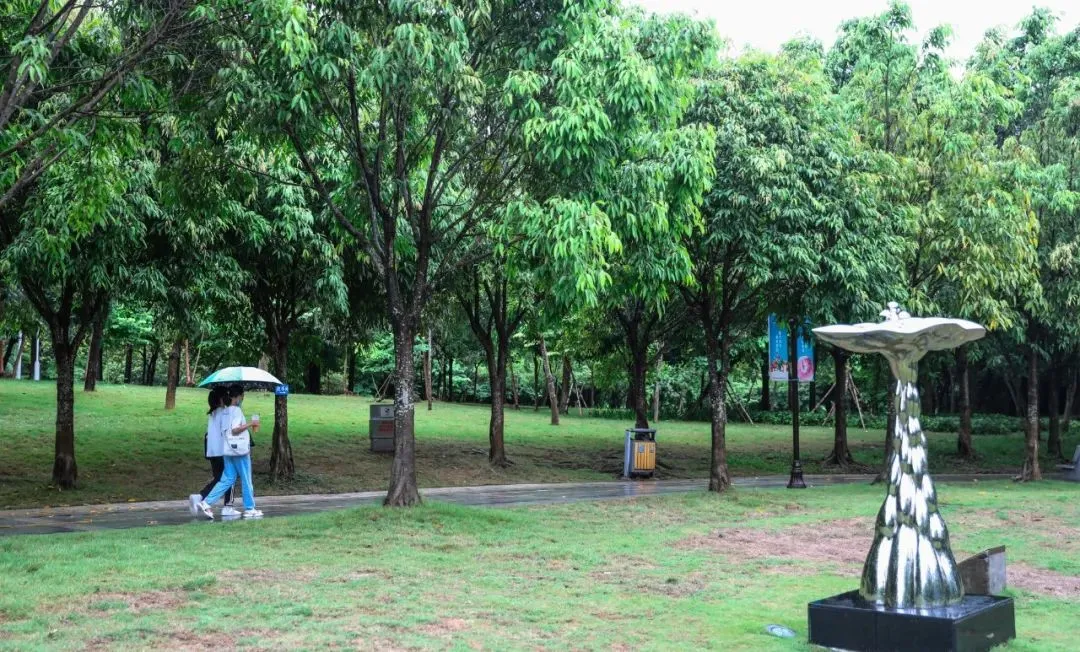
805	352
779	360
778	351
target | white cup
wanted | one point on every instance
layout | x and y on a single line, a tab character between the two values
255	420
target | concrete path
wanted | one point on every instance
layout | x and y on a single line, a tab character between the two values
90	518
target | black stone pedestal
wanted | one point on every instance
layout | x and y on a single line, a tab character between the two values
848	622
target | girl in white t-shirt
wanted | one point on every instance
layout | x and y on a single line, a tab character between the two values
214	449
236	466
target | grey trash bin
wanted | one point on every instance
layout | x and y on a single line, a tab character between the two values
381	428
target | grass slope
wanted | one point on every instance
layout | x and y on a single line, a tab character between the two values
648	574
129	448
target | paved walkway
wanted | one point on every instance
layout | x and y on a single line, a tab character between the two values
89	518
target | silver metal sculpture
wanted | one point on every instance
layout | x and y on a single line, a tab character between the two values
910	564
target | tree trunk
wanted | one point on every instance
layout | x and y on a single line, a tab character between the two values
427	370
928	395
766	400
65	473
1070	394
143	372
127	364
93	358
553	399
890	425
35	359
100	367
476	383
314	378
19	356
172	378
7	355
497	445
450	382
719	477
656	389
151	369
841	454
350	368
564	390
189	381
282	467
496	362
1031	458
1053	440
403	491
964	445
515	390
536	383
1014	395
639	368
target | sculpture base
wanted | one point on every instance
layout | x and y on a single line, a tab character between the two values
848	622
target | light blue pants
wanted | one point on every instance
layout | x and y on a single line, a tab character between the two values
235	467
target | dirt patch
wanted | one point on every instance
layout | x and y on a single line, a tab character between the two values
842	545
137	603
358	575
445	627
185	640
613	616
679	587
1061	529
380	645
193	640
267	576
1042	581
617	573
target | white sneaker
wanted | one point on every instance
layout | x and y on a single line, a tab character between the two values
206	510
252	513
193	503
229	511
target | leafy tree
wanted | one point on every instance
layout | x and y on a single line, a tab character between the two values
417	122
1043	142
778	202
70	248
864	245
287	267
958	200
495	304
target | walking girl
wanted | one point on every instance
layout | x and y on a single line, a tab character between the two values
235	433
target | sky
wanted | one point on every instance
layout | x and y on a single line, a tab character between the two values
766	24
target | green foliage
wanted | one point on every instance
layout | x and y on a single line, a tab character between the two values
968	230
780	208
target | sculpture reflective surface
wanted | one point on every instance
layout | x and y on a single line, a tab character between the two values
910	564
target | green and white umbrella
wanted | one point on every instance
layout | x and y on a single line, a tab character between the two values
249	377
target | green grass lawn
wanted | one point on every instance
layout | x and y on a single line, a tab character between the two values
694	571
129	448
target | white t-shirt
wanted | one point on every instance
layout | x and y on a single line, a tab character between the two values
232	417
215	435
235	416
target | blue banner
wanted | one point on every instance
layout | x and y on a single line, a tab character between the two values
281	390
779	360
778	351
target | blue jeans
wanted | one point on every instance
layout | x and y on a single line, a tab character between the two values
235	467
